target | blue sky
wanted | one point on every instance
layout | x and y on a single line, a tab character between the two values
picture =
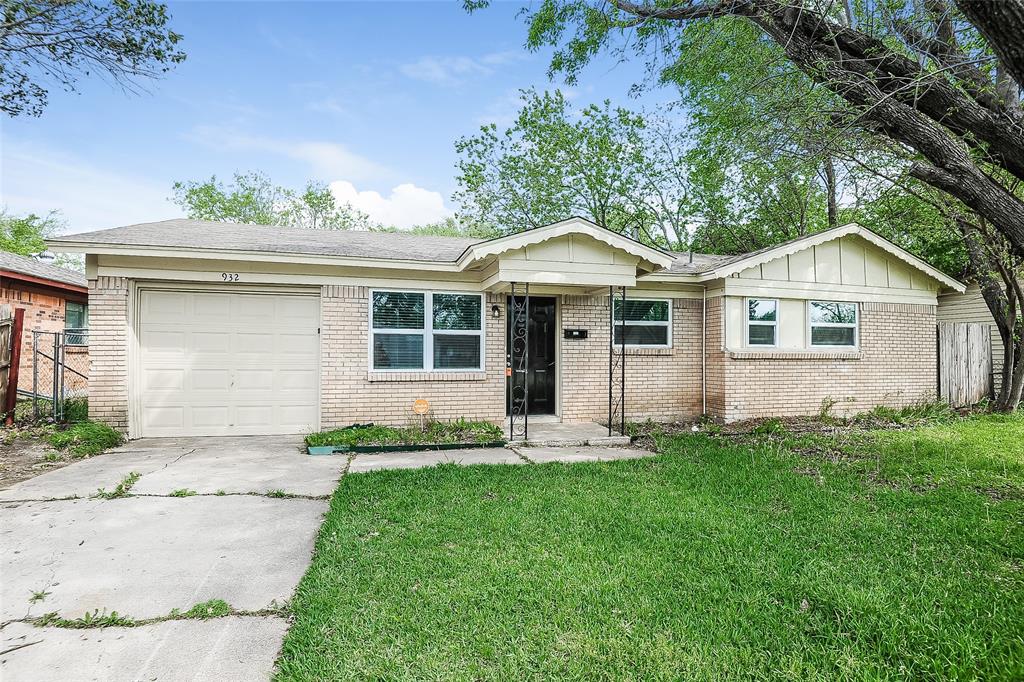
368	96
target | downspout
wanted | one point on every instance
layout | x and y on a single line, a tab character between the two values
704	352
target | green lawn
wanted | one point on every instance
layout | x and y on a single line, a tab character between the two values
888	555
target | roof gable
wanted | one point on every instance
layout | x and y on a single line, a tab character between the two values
650	259
764	256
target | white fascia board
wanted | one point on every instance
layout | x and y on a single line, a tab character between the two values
500	245
829	235
259	256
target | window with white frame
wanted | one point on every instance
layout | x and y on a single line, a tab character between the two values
428	331
647	322
833	324
762	321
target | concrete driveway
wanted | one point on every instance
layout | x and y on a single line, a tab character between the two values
241	532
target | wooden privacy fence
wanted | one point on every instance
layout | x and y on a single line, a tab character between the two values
965	362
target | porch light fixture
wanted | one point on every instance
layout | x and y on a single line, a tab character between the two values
496	311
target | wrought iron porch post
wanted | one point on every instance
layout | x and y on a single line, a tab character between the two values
518	363
613	359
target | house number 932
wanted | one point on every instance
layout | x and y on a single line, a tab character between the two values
229	276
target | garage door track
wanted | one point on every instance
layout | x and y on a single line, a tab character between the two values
199	528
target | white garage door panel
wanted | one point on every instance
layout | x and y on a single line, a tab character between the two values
215	363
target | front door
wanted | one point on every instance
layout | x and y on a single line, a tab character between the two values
541	371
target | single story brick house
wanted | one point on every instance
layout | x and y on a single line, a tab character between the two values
203	328
55	299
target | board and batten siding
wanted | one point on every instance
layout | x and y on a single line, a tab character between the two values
970	307
847	269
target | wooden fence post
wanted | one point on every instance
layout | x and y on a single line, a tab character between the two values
14	370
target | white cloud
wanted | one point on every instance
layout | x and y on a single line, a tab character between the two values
455	70
328	159
405	206
37	179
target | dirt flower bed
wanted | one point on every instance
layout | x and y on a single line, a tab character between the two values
433	433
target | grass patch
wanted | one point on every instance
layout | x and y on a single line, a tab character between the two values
718	559
121	489
86	438
459	431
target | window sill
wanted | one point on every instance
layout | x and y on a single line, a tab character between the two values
639	350
777	354
374	377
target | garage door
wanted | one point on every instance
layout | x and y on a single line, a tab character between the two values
214	363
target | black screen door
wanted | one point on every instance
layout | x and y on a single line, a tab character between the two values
541	371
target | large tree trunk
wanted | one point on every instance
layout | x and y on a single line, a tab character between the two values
1002	24
829	169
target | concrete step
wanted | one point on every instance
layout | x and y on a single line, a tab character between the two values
600	441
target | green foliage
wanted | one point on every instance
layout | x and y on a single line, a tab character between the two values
24	235
182	492
899	559
459	431
122	489
56	41
604	163
86	438
252	198
450	226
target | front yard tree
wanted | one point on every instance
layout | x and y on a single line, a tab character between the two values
603	163
56	42
252	198
942	81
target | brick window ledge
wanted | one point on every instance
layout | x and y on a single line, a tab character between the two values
793	355
643	351
425	376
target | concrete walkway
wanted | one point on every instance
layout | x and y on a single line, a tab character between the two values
230	519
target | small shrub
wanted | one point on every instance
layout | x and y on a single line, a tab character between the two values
86	438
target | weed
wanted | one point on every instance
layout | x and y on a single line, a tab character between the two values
183	492
214	608
825	411
770	427
277	493
86	438
89	620
52	457
39	595
458	431
121	489
220	493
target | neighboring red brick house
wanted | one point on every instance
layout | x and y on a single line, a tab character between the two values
54	299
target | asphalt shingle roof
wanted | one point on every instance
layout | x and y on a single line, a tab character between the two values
201	234
12	262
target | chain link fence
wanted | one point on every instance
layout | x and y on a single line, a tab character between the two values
59	388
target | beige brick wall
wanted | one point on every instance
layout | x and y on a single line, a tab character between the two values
108	351
895	366
351	393
662	384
